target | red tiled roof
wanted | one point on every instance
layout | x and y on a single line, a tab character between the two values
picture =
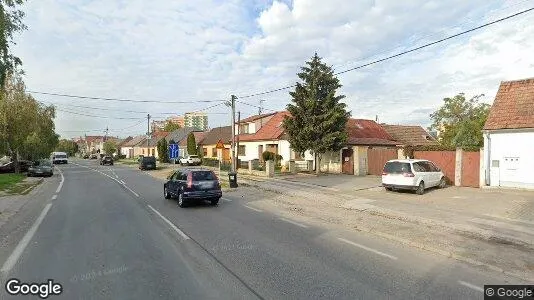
409	135
256	117
92	138
156	137
513	106
272	130
367	132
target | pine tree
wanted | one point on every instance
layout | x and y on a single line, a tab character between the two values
191	144
318	118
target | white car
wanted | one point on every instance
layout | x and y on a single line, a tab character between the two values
191	160
59	158
412	174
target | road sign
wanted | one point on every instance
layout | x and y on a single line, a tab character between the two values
220	145
174	150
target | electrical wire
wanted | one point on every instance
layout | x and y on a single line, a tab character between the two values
401	53
119	99
95	116
257	106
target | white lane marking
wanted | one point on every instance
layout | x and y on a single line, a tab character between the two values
471	286
367	248
122	181
226	199
13	258
136	194
54	197
293	222
170	223
62	180
253	208
115	179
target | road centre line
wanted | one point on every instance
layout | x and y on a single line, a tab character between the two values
471	286
15	255
367	248
293	222
169	223
253	208
54	197
111	177
62	180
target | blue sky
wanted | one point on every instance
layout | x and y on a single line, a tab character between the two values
208	50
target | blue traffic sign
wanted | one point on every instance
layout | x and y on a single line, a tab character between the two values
173	151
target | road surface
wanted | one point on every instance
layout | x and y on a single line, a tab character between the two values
106	232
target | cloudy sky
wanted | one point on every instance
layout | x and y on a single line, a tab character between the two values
202	51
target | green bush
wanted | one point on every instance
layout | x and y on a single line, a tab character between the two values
267	155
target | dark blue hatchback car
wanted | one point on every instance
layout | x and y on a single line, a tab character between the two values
190	185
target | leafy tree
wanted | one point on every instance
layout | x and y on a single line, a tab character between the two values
26	126
191	144
318	118
10	23
109	147
170	126
67	146
460	121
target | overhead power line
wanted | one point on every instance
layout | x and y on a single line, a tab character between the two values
118	99
257	106
95	116
401	53
113	109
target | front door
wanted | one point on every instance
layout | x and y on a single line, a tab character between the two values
347	160
226	154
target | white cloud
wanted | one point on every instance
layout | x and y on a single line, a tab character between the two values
198	50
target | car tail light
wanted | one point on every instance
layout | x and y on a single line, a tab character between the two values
189	180
408	175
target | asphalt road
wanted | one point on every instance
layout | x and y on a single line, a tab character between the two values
108	233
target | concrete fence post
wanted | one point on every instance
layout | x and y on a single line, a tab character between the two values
269	168
250	166
292	167
458	167
310	165
482	174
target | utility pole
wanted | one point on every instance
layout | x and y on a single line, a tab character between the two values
232	103
106	136
148	130
238	133
260	110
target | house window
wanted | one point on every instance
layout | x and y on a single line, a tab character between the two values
143	151
213	152
153	152
241	150
244	128
205	151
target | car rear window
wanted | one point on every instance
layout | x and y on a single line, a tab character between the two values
60	156
203	175
149	159
42	163
395	167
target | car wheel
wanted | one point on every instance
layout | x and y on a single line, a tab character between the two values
442	183
166	193
181	201
215	201
420	189
388	189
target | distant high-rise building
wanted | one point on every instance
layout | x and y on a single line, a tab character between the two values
197	120
159	125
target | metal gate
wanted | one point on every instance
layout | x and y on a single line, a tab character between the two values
377	158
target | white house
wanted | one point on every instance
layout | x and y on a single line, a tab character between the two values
509	136
127	148
265	133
